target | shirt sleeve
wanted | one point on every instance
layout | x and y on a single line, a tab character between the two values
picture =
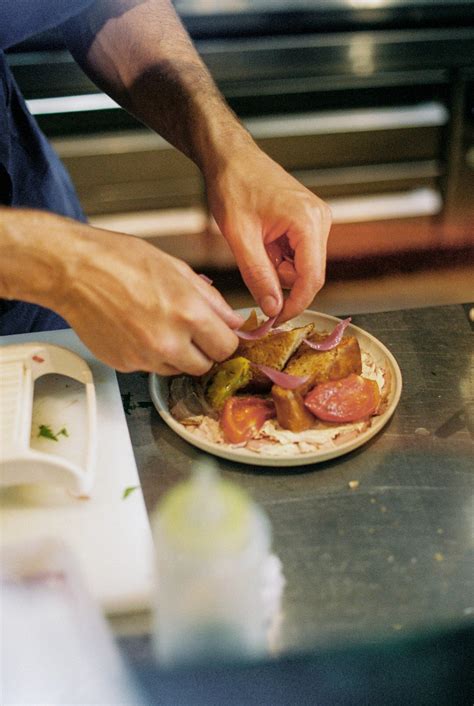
21	19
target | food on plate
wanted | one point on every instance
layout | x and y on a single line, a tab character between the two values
227	379
291	412
251	334
273	350
321	366
279	377
331	341
187	398
288	390
346	400
243	416
318	367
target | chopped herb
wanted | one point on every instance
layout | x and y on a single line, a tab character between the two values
46	431
145	404
130	405
126	402
129	490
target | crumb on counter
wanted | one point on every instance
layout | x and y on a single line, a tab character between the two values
353	484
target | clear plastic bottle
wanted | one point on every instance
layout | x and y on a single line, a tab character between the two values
212	542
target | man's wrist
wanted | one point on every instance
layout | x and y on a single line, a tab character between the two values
221	143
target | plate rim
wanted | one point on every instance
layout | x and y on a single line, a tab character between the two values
239	455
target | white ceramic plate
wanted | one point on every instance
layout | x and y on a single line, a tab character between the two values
379	354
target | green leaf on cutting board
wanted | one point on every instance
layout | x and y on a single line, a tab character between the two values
46	431
129	490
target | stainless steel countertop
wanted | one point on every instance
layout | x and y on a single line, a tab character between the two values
394	555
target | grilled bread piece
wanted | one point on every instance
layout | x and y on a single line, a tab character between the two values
274	350
321	366
317	366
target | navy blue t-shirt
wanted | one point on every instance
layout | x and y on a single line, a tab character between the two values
31	174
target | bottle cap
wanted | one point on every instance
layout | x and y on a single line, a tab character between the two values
206	514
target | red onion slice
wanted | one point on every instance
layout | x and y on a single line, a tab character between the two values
289	382
332	340
258	332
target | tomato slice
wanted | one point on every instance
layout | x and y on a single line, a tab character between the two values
241	417
347	400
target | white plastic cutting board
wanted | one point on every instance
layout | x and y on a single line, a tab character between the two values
108	534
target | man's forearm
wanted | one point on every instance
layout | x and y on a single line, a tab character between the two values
139	53
134	307
36	255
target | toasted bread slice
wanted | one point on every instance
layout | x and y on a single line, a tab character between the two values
317	366
274	350
321	366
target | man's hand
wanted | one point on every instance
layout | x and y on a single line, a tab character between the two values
135	307
141	55
277	229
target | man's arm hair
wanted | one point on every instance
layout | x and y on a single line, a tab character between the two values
140	54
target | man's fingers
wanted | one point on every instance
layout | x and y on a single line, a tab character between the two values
164	369
218	303
310	263
214	339
307	285
172	353
259	274
186	357
197	339
287	274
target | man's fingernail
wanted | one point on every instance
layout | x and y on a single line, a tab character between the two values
269	306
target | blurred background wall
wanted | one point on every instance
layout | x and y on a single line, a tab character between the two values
370	103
